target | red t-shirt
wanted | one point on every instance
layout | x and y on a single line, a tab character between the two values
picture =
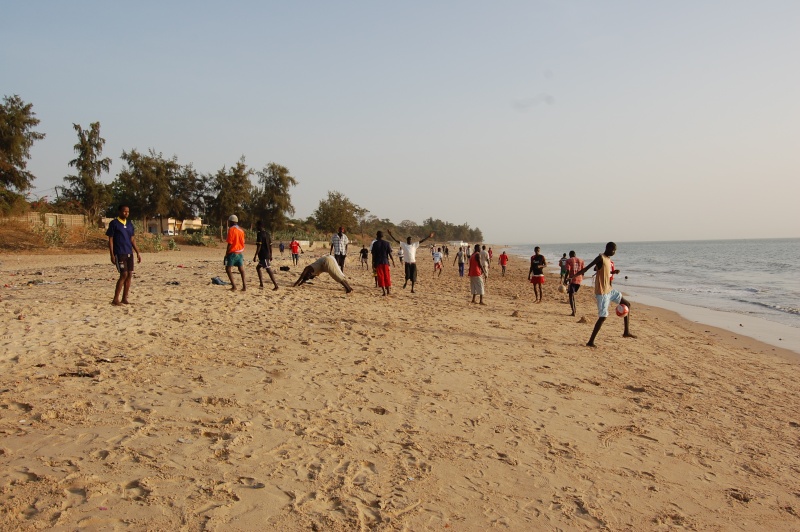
295	246
475	265
503	259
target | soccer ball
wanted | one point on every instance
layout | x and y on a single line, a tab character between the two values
622	310
562	288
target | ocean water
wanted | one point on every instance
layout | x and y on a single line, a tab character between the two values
758	278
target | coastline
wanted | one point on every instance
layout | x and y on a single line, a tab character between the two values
305	407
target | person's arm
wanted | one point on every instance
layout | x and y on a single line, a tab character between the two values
136	249
392	237
331	251
596	262
268	243
111	249
427	237
258	246
391	256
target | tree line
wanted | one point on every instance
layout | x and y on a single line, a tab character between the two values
153	185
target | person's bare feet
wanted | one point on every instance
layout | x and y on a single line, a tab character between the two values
116	303
590	344
126	302
233	288
276	287
244	289
628	335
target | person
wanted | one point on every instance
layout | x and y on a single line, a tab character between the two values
460	259
438	262
339	243
234	251
603	291
410	252
364	253
562	263
121	245
281	247
485	259
325	264
400	254
503	260
294	247
491	255
573	265
263	254
381	253
476	282
536	273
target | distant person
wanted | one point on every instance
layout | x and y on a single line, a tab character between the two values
572	267
536	273
325	264
264	254
400	254
491	255
438	261
410	252
234	251
339	243
281	248
381	254
121	245
562	263
446	252
503	261
294	247
364	253
476	281
461	259
485	263
604	293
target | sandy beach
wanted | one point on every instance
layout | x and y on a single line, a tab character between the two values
197	408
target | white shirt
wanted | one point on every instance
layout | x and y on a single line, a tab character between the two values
437	257
410	251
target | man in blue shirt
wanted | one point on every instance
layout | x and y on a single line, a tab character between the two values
121	245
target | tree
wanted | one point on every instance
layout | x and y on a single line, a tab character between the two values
186	193
232	189
17	121
86	188
144	184
273	202
337	211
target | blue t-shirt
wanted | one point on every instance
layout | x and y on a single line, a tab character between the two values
122	234
381	249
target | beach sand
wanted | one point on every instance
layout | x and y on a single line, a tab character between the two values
196	408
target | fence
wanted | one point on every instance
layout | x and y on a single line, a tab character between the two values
48	219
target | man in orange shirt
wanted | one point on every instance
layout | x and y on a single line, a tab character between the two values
233	254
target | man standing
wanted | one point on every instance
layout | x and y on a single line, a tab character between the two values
263	254
476	283
460	259
572	267
603	292
233	253
562	263
410	252
326	264
381	253
294	247
364	254
485	259
339	243
503	260
121	245
536	273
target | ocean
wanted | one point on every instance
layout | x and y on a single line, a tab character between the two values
758	278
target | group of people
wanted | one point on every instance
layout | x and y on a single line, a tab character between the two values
122	246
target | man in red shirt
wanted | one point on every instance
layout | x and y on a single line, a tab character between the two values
294	246
573	266
476	284
234	251
503	260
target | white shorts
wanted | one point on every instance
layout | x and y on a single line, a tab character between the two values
605	300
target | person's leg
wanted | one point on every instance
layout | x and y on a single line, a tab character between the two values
260	278
271	278
627	333
127	286
572	301
228	270
241	271
118	289
596	330
407	270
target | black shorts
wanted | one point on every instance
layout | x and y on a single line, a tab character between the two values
124	263
263	262
573	288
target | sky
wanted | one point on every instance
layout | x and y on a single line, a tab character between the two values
536	121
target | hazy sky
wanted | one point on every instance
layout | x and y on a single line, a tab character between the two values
536	121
